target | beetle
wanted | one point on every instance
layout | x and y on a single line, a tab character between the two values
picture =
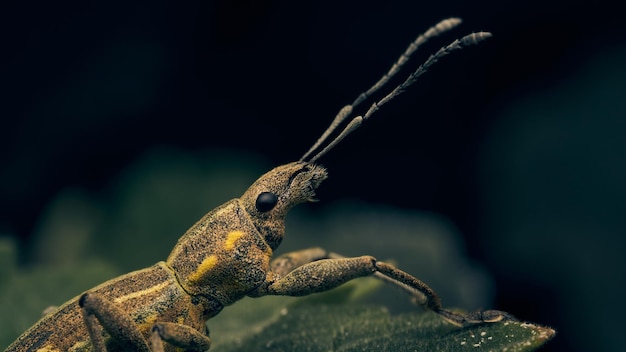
227	255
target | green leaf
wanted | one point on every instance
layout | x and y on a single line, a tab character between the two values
315	324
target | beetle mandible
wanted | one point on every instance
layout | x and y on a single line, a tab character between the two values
227	255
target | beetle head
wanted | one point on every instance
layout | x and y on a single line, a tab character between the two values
270	197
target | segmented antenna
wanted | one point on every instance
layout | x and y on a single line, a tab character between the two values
346	111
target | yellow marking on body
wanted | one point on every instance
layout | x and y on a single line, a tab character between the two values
151	319
148	322
48	348
80	345
142	292
233	236
207	264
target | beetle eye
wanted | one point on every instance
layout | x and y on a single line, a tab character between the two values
266	201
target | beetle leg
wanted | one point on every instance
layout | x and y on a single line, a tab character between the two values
425	296
97	309
315	270
285	263
179	335
99	312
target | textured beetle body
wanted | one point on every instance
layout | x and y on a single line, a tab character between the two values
147	295
227	255
233	259
219	260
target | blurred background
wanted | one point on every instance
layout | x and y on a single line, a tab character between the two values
123	122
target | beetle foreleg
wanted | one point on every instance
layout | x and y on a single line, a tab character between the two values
315	270
425	296
285	263
317	276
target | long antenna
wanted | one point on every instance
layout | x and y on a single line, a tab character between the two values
346	111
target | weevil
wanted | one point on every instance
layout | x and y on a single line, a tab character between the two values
227	255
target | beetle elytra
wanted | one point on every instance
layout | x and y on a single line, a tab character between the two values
227	255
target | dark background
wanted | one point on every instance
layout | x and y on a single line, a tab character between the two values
499	138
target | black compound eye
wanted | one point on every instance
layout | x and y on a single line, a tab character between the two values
266	201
